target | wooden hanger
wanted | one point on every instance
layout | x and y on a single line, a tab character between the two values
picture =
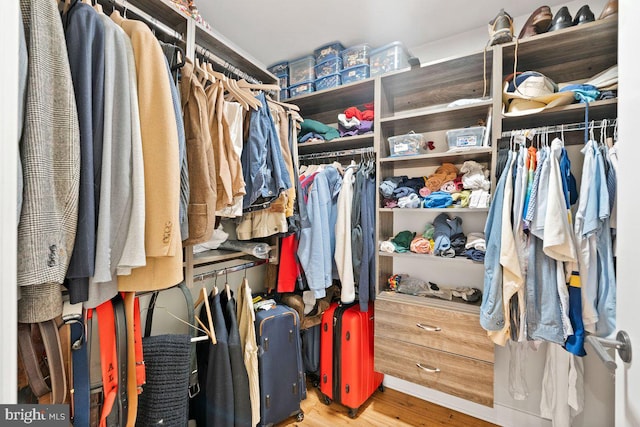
67	5
203	297
200	72
98	7
284	104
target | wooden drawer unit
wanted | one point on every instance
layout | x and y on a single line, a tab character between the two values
438	328
456	375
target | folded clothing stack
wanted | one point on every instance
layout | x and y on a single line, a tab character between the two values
405	284
446	187
313	130
356	122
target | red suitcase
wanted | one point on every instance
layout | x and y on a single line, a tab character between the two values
346	356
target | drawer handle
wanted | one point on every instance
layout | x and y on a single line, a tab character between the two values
428	368
428	328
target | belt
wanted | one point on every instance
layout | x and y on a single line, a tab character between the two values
121	348
194	386
32	357
135	363
72	315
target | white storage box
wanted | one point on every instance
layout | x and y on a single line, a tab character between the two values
406	145
466	137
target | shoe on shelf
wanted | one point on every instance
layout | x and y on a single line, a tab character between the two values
610	10
561	20
537	23
583	16
501	28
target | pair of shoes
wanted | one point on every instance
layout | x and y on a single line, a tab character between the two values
563	19
501	28
537	23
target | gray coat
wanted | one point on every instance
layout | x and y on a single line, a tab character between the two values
50	152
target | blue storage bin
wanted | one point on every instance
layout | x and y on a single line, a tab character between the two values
328	67
302	70
279	68
356	55
391	57
327	82
301	89
283	80
354	74
329	50
284	93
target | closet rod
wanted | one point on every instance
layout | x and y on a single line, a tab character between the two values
150	20
227	270
570	127
340	153
224	64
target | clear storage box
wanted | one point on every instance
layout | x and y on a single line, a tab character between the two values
302	70
301	89
406	145
327	82
279	68
283	80
284	93
354	74
329	50
356	55
466	137
391	57
330	66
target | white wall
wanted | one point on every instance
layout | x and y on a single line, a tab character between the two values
599	383
8	220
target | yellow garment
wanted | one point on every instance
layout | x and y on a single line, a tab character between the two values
161	166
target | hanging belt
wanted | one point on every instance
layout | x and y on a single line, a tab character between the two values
121	348
31	358
72	315
141	377
110	415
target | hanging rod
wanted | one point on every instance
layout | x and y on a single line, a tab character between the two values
341	153
227	270
150	20
224	64
570	127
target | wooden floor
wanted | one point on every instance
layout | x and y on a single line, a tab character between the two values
384	409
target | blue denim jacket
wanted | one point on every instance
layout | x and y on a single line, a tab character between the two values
263	169
491	310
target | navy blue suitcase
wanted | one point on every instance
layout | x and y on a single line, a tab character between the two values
311	353
282	380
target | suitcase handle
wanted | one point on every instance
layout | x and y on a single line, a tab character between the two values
428	368
428	328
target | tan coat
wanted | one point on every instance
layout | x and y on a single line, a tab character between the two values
200	158
161	166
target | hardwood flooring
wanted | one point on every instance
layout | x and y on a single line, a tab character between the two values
390	408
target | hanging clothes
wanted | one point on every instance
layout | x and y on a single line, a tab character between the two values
84	34
367	276
241	396
115	211
343	254
246	321
233	112
161	165
200	157
47	227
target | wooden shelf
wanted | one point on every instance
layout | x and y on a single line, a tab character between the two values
216	255
428	302
357	141
438	117
324	106
229	52
574	113
164	11
437	83
436	210
574	53
436	159
432	258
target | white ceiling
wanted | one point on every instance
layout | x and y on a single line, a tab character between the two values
275	30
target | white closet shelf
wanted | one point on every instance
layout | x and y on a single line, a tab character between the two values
435	159
215	255
419	115
424	257
428	302
357	141
437	210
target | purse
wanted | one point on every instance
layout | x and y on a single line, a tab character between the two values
171	371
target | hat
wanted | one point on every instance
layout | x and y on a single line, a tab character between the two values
531	92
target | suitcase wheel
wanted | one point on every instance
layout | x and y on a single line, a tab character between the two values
300	416
353	412
381	388
326	400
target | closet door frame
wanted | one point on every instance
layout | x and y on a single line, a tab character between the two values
8	194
